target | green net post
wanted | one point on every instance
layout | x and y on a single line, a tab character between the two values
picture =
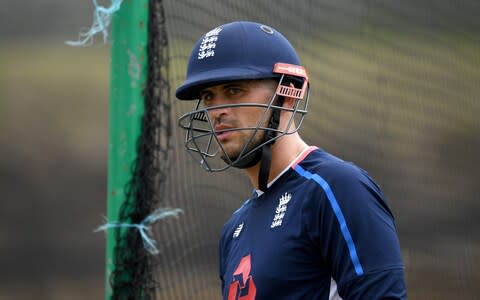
128	80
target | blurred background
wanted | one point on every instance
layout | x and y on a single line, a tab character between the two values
53	151
395	89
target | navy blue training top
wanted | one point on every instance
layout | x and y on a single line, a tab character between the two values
321	231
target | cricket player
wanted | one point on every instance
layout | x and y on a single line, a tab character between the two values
315	226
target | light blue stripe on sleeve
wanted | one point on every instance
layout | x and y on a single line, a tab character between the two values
338	213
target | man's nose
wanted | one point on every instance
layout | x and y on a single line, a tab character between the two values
216	112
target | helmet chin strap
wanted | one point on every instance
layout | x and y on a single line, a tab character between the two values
249	160
263	154
267	149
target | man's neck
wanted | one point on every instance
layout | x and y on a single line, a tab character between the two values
284	151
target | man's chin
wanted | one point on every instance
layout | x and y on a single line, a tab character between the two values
239	160
229	158
232	154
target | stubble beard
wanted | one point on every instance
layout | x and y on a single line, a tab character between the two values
231	156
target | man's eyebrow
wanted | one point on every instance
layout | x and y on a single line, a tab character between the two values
225	86
203	92
234	84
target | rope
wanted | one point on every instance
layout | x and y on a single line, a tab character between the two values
102	17
144	227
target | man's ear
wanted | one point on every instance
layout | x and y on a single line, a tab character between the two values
289	102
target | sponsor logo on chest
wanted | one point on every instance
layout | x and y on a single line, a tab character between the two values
237	231
281	210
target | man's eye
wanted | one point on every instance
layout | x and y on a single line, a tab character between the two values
206	97
233	90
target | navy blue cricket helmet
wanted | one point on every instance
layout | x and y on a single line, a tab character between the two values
235	51
242	51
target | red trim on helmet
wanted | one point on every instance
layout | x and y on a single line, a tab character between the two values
291	70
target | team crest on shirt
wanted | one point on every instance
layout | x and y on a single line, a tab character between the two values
281	210
208	44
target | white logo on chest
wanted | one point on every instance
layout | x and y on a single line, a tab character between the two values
237	231
281	210
208	44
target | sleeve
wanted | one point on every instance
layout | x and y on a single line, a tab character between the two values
355	233
221	256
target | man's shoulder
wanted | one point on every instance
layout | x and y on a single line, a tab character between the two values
331	168
339	178
232	222
343	182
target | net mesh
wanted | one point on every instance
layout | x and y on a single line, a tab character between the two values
134	274
395	88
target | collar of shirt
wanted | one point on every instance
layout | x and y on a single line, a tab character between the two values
257	193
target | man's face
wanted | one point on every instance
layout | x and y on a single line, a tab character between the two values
226	118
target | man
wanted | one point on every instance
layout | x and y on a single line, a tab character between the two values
316	227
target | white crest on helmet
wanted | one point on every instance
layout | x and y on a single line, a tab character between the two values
208	44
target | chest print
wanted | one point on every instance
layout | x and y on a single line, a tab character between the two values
281	210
